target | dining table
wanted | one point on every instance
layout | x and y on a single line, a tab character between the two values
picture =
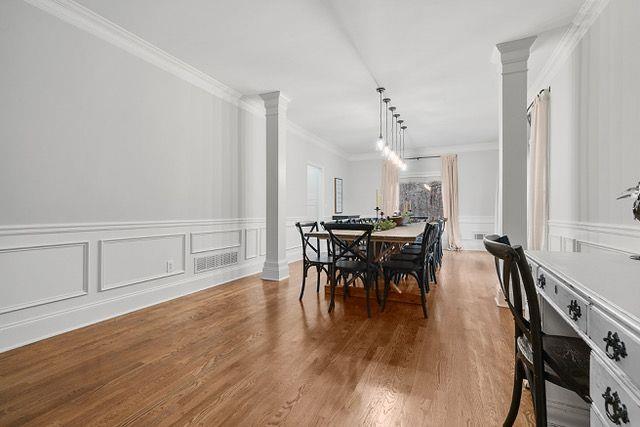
385	242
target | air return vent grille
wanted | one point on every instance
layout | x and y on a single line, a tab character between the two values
212	262
479	236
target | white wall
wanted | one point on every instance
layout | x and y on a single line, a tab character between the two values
365	176
594	136
302	150
116	174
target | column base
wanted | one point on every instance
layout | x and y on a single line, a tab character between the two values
275	270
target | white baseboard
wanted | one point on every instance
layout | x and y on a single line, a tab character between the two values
151	262
34	329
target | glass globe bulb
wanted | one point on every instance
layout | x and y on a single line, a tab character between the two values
385	151
380	144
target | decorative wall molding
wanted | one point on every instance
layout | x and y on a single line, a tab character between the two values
251	243
583	20
25	331
433	151
102	265
316	140
15	230
83	290
573	236
216	246
87	20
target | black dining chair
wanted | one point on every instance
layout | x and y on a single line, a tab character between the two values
352	259
416	266
312	256
413	251
539	357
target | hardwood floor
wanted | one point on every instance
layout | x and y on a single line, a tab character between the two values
249	353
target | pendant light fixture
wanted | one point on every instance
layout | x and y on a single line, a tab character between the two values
391	146
401	164
380	141
404	164
393	133
385	146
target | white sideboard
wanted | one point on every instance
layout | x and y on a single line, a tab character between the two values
595	297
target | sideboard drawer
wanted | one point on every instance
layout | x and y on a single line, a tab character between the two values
620	345
569	303
613	400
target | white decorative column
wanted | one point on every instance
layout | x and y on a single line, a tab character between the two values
275	265
512	185
512	181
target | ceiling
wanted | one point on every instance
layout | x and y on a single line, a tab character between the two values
433	56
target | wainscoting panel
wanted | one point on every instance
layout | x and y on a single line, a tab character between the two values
472	228
251	243
132	260
36	275
50	286
263	241
575	236
215	240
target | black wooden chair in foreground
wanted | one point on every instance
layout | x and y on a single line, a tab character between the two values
417	266
539	357
353	259
312	256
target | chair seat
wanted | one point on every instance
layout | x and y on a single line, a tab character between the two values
320	259
410	251
567	361
400	265
352	265
404	257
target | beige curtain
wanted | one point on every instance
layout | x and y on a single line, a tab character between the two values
450	199
390	188
538	155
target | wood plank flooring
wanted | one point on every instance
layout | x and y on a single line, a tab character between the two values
248	353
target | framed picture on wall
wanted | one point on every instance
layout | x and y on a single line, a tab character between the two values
337	195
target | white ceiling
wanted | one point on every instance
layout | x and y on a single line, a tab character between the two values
433	56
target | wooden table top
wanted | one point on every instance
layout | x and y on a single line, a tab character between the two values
402	234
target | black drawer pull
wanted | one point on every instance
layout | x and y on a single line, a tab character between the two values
542	281
615	409
574	310
616	345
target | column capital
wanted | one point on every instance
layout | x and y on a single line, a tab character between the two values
514	54
275	102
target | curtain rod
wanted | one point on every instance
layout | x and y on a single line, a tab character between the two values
422	157
531	105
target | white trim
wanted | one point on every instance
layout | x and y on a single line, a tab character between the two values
583	20
85	275
432	151
248	255
24	332
103	286
619	238
87	20
316	140
81	17
215	248
617	229
14	230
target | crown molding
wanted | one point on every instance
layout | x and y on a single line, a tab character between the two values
432	151
586	16
87	20
316	140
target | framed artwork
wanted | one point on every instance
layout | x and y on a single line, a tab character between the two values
337	195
